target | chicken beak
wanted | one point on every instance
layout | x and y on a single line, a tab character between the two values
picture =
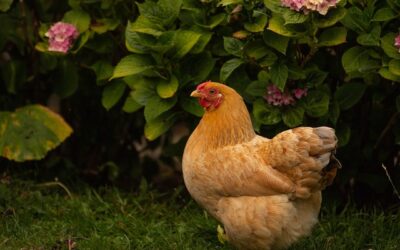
196	93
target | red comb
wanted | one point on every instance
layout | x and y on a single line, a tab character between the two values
202	85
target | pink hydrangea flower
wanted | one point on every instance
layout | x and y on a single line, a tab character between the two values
299	93
321	6
61	36
397	42
276	97
293	4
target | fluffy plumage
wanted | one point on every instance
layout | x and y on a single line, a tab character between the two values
266	192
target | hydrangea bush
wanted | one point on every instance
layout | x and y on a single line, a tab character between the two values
295	62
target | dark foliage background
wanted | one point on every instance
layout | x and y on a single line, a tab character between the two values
123	88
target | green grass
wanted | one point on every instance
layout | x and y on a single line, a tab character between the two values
33	218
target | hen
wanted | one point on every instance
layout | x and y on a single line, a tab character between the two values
266	192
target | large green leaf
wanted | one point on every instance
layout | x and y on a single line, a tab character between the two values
394	67
228	67
265	113
259	19
146	26
387	44
142	88
279	74
293	17
132	65
293	116
112	93
233	46
167	88
184	41
332	17
131	105
371	38
191	105
30	132
5	5
355	19
154	128
384	14
358	59
349	94
204	65
257	49
163	12
317	103
276	41
277	25
332	36
156	106
79	18
103	70
385	73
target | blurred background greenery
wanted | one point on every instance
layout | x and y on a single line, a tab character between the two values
116	107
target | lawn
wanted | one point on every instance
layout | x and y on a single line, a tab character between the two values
46	217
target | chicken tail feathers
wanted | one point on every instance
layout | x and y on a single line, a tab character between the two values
328	173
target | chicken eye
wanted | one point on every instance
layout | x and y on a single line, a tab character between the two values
212	91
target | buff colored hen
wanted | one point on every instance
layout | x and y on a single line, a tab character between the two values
266	192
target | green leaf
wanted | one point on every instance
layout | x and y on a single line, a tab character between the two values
332	36
30	132
256	88
146	26
212	21
277	25
384	14
132	65
153	129
184	41
358	59
103	25
293	116
191	105
356	20
233	46
112	93
131	105
66	80
331	18
276	41
274	6
167	88
371	38
279	74
201	43
394	67
155	106
79	18
293	17
229	2
260	20
268	60
163	12
103	70
266	114
204	65
317	103
387	44
228	67
5	5
385	73
349	94
256	49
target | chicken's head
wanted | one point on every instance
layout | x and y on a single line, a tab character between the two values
209	94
